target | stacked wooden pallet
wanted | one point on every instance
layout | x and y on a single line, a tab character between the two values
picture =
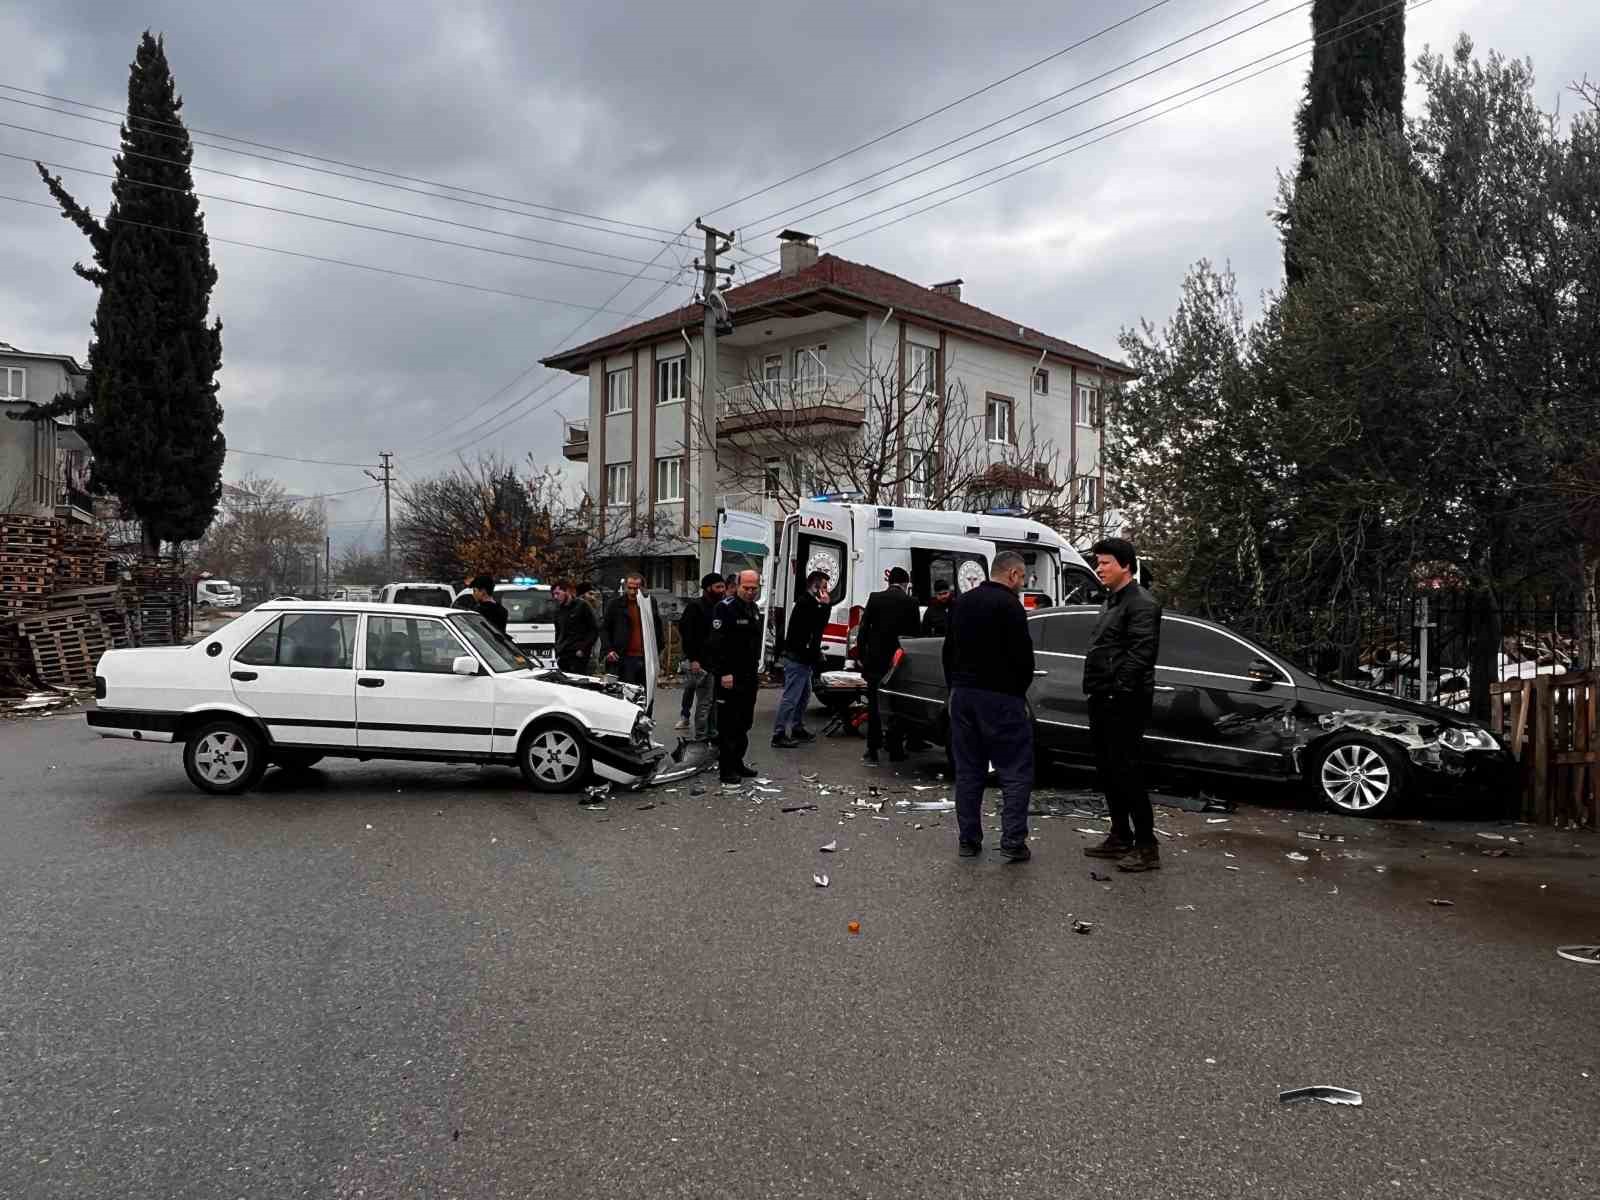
82	558
109	603
163	603
28	548
65	645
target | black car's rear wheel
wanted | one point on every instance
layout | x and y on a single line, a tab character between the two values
1359	775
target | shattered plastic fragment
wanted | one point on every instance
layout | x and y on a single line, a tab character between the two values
854	926
763	782
1226	868
1493	837
1328	1095
1082	926
1320	837
830	847
790	808
922	787
820	880
1296	856
935	806
1589	956
1438	903
1216	820
598	792
809	776
1099	878
1185	908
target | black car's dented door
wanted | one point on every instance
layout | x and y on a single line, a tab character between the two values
1210	712
1060	711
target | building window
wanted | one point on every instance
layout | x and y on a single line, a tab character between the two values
672	377
1086	411
619	483
669	480
1041	382
772	477
772	370
998	425
1088	493
922	369
811	367
919	477
659	578
619	391
13	383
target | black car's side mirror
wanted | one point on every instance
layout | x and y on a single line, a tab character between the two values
1262	671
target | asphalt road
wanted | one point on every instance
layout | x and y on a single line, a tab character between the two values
406	981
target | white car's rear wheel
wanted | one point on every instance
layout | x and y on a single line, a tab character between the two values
224	758
554	759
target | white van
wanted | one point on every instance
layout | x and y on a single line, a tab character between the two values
217	593
530	616
857	544
434	595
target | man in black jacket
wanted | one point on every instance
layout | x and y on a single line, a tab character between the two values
988	667
699	685
733	653
936	620
889	616
1119	678
576	630
493	611
802	651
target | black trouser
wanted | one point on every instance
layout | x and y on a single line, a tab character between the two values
991	727
1116	727
573	662
879	730
736	712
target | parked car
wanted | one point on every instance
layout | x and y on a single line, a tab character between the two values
292	683
530	616
217	593
433	595
1224	705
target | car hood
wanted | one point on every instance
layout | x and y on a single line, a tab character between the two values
611	689
1382	702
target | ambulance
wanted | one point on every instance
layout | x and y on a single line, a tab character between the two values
858	544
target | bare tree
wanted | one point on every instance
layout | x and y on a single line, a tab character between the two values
263	535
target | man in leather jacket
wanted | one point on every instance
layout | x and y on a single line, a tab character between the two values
1119	678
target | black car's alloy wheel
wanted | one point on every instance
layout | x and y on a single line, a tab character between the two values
1359	775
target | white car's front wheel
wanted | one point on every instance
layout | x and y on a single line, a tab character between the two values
224	758
554	759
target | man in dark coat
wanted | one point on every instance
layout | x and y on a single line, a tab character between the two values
493	611
889	616
699	685
622	632
988	667
1119	678
802	654
733	653
936	620
576	630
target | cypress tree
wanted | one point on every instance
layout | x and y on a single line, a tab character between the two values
149	412
1358	73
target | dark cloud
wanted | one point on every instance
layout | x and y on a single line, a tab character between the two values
649	113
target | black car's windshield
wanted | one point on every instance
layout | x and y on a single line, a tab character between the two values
495	648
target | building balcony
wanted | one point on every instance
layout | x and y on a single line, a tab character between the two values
74	505
575	441
809	401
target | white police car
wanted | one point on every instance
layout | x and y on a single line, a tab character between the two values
293	682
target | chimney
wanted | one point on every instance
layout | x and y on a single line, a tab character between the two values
798	252
950	287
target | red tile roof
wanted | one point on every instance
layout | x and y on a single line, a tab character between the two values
835	276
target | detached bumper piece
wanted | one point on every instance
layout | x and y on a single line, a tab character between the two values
622	760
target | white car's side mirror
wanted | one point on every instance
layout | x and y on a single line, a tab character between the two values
464	665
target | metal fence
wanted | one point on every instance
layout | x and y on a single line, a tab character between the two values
1418	646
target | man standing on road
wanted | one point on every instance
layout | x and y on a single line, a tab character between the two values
493	611
699	685
1119	678
733	653
936	621
623	632
890	615
802	651
988	667
576	630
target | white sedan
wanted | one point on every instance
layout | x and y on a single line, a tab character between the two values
293	682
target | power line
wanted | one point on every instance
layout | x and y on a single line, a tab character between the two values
945	107
290	212
1360	22
334	196
321	462
339	262
322	171
1031	107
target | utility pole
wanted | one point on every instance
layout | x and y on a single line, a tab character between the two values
716	318
388	531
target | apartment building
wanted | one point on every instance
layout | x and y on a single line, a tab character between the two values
970	407
44	465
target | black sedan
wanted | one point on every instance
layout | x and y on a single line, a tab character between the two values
1226	706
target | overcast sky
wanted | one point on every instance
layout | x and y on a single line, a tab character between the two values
652	114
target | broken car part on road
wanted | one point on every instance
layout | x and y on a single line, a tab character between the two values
1328	1095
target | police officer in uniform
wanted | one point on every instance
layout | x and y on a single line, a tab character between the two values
733	655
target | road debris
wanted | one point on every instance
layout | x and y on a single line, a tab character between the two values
810	777
1438	903
1492	837
854	926
935	806
1296	856
820	880
1319	837
645	807
1228	868
1099	878
1589	956
830	847
598	792
1083	927
771	790
1185	908
1217	820
1328	1095
792	808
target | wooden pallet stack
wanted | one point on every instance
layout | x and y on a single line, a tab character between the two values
65	645
163	603
82	559
110	604
28	548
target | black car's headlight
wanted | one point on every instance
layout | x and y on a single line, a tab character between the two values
1468	738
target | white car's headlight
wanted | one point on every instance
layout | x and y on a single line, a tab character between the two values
643	726
1468	739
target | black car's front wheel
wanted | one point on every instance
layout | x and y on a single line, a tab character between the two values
1359	775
